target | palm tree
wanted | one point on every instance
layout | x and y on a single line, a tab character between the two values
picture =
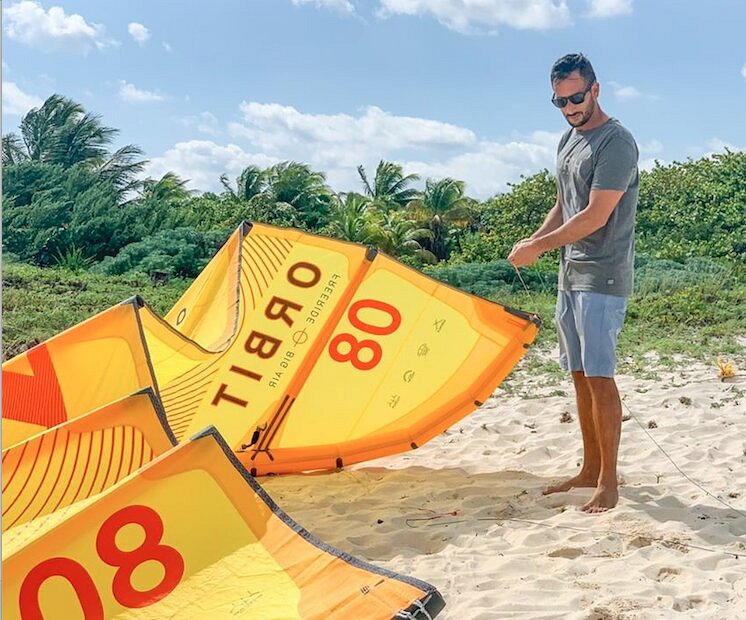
400	236
287	194
61	132
295	184
390	189
123	168
442	208
169	190
351	219
251	182
41	127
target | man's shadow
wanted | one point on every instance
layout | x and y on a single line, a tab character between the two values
713	522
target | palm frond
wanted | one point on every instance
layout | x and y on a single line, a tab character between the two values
13	150
123	167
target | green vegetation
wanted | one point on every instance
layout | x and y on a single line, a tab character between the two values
39	303
83	231
183	252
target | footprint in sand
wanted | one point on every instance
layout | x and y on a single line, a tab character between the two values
566	552
688	603
668	574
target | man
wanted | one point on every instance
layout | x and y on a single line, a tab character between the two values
593	223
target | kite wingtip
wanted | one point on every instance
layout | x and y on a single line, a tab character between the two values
536	320
371	253
135	300
527	316
245	227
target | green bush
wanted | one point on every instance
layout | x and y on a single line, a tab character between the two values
39	303
181	252
492	280
695	208
661	275
507	218
49	210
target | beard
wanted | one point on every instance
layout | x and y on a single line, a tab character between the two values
584	117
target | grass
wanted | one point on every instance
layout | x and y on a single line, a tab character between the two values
39	303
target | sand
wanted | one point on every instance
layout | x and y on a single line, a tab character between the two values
465	512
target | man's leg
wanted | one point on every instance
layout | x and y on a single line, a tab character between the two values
607	417
589	472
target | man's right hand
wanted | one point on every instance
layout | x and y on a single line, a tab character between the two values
525	252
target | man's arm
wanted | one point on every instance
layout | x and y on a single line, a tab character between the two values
589	220
586	222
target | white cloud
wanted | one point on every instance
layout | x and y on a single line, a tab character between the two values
138	32
488	168
52	30
712	147
204	122
609	8
274	127
716	145
743	70
343	6
203	161
651	147
649	163
167	47
338	143
129	92
16	102
467	16
629	93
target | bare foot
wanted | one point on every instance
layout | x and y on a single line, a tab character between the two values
603	500
581	480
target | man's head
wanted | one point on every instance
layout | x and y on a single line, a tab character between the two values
575	88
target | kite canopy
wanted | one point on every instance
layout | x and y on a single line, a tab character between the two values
295	352
304	352
78	459
191	534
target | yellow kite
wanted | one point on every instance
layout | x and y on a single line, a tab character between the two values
303	351
78	459
297	352
192	535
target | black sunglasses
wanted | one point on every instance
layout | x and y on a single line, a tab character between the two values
575	98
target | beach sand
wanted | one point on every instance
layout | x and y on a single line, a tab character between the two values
465	512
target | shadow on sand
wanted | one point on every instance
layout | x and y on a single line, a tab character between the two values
712	522
381	513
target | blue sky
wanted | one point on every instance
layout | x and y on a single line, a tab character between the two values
445	87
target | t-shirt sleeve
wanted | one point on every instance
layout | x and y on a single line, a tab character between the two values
563	140
616	166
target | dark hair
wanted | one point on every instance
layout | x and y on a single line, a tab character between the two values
563	67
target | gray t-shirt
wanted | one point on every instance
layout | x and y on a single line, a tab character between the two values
601	158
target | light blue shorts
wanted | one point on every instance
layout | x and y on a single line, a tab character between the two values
588	325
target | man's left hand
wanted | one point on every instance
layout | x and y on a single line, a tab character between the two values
524	253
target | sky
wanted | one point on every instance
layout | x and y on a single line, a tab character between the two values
446	88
